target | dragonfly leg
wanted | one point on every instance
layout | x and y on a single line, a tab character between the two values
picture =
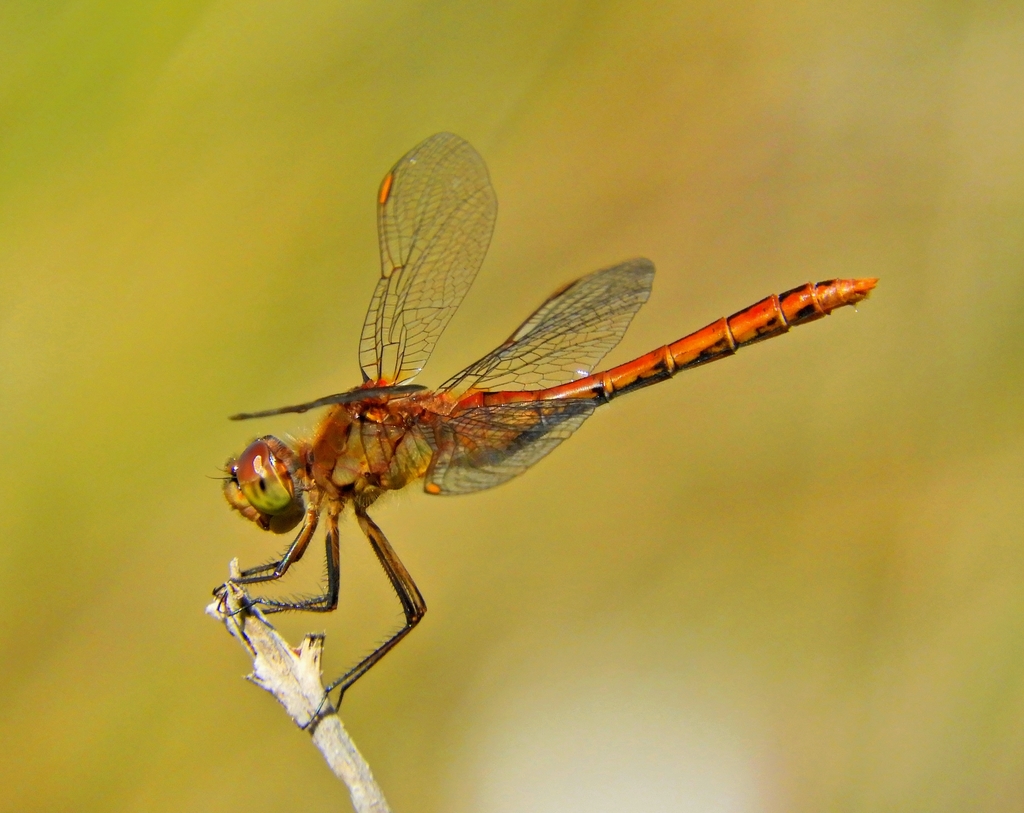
409	595
276	569
317	604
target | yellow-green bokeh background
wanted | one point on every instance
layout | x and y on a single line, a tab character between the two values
793	581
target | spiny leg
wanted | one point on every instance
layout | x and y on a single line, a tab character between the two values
329	600
409	595
275	570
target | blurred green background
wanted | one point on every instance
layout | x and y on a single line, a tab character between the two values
793	581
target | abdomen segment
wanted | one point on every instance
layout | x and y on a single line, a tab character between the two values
770	317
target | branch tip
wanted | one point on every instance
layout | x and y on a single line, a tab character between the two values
293	676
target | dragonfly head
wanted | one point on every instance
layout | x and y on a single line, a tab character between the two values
261	488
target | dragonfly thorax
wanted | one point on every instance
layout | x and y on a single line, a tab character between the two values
361	450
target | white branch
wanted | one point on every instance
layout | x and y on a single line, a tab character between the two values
293	676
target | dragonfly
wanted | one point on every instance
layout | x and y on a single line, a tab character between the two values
436	211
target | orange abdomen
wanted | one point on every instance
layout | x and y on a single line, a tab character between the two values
770	317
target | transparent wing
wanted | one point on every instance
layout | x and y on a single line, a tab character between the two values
566	337
358	394
436	211
483	447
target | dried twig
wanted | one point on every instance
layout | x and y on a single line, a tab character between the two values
293	677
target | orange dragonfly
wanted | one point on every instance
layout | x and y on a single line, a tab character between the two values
485	425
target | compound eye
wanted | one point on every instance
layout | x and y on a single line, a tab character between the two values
264	480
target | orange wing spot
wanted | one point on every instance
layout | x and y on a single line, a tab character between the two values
385	188
432	488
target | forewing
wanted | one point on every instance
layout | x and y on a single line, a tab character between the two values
435	216
566	337
485	446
